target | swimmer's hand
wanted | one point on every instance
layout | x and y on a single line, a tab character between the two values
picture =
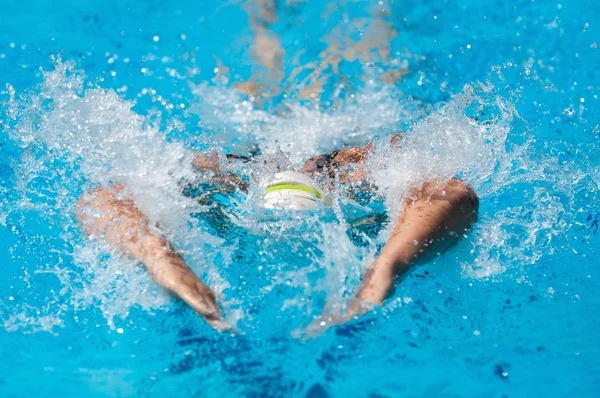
377	285
111	214
330	318
174	275
202	299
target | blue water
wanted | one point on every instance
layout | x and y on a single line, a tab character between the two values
503	94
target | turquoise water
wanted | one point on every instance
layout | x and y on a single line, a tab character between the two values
503	95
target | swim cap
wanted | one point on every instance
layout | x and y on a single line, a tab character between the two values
293	190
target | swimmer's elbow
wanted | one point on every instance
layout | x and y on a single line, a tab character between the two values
456	191
464	195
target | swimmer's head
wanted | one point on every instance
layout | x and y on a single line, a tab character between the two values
293	190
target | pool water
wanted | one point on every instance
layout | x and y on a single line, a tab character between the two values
501	94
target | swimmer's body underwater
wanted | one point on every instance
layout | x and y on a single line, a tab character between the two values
435	216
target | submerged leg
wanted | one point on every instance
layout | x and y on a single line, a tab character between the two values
109	214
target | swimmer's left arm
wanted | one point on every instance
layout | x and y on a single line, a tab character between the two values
435	220
438	216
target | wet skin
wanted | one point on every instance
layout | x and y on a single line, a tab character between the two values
435	215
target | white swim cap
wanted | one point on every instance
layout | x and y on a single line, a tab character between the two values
293	190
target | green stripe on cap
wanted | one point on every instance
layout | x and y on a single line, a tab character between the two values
293	187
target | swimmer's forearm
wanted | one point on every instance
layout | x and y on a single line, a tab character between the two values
168	269
406	244
436	220
109	214
441	214
378	282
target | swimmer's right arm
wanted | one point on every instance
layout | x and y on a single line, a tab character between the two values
346	163
211	164
207	161
110	214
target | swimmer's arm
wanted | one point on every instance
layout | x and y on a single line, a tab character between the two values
347	164
436	217
211	164
435	220
431	223
208	161
108	213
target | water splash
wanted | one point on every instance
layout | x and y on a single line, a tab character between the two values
69	137
301	129
529	197
73	138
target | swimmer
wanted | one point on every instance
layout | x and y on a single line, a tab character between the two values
435	215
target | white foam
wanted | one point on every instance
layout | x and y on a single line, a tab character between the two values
302	130
71	137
